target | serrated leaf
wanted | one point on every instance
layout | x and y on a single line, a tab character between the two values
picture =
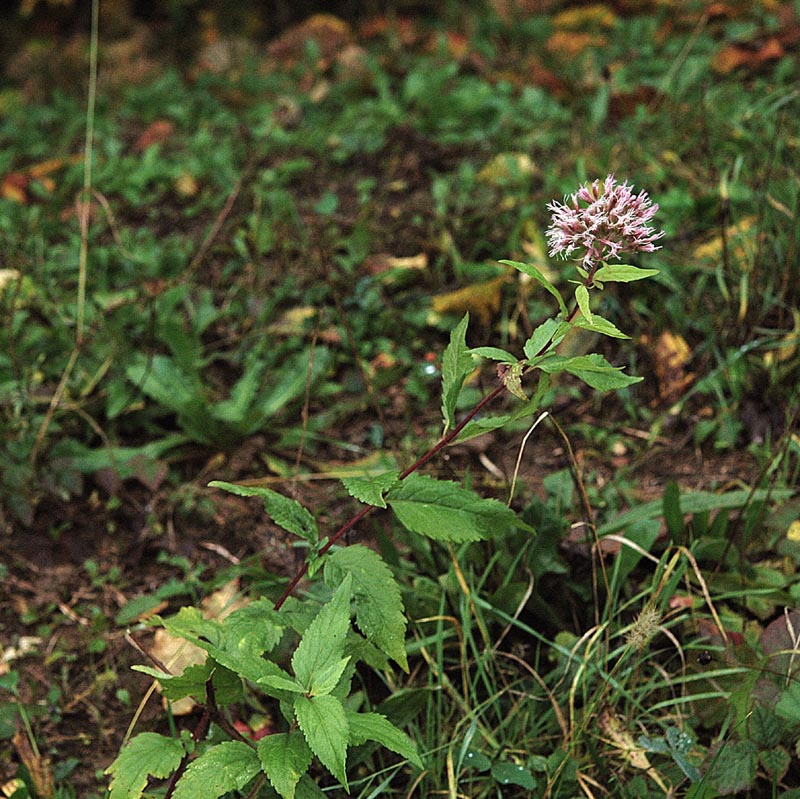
541	337
593	369
379	603
324	724
599	325
209	635
375	727
282	683
582	298
325	680
370	490
322	643
285	757
532	271
228	766
494	354
456	365
177	686
733	768
285	512
622	273
445	511
788	704
192	682
147	754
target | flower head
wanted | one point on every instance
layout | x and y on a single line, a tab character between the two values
604	220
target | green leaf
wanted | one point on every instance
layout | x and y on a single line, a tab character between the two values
177	686
285	512
622	273
379	603
192	682
477	427
733	770
673	516
546	332
456	365
285	757
788	704
533	272
147	754
506	773
582	297
494	354
375	727
283	682
694	502
253	629
322	644
209	635
445	511
593	369
370	490
599	325
228	766
324	724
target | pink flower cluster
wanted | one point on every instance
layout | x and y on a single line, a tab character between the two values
604	220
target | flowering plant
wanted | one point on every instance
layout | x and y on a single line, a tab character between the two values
359	615
612	221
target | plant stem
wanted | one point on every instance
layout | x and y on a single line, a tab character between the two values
439	445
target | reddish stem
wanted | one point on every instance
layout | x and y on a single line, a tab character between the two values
439	445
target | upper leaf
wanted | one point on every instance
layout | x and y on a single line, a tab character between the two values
593	369
375	727
228	766
530	269
324	724
370	490
146	754
599	325
456	365
322	644
285	512
285	757
444	510
379	603
622	273
582	297
545	333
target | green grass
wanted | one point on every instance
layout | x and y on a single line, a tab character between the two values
229	297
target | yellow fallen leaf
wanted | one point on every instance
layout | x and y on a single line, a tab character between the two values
793	533
589	16
480	299
787	349
505	167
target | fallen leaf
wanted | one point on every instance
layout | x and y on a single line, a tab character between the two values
480	299
594	15
156	132
330	34
670	354
745	55
570	44
613	727
507	167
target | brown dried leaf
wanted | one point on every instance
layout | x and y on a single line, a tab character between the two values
156	132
